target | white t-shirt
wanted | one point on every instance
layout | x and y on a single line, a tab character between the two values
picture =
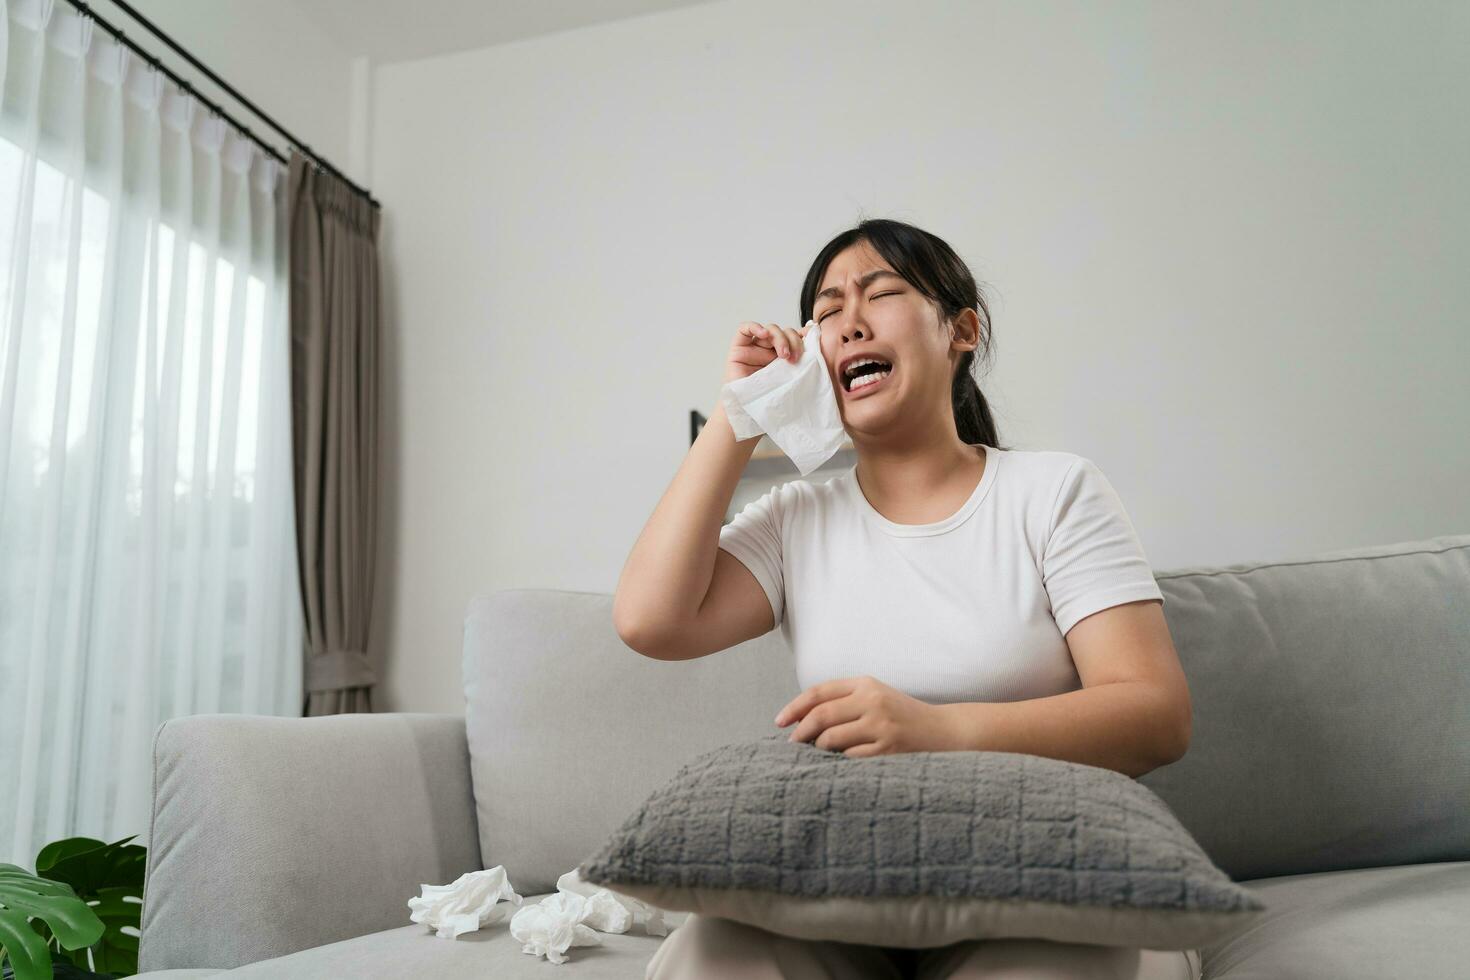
975	607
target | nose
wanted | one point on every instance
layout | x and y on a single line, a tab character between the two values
848	328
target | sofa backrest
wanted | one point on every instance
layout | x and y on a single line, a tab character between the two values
570	730
1331	702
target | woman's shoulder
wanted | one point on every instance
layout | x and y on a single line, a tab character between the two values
1041	467
807	495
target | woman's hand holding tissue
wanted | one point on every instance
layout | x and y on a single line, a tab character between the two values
758	344
861	717
794	403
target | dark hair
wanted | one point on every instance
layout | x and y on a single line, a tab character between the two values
933	268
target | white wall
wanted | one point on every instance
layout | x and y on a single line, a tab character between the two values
1227	247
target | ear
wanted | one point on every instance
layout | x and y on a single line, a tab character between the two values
964	330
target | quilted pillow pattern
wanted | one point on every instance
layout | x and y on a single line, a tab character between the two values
921	849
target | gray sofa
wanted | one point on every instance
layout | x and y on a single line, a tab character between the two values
1329	772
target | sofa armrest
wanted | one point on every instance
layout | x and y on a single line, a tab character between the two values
271	835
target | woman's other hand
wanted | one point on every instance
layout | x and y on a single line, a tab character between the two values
861	717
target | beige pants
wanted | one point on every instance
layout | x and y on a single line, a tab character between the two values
709	948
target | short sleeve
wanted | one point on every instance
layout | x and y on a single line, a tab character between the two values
1093	558
754	537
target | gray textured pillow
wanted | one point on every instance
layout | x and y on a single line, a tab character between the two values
921	849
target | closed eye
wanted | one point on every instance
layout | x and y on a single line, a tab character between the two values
870	298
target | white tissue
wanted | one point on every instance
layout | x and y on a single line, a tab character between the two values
610	911
571	917
794	404
466	905
552	925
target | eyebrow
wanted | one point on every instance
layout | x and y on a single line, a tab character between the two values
863	281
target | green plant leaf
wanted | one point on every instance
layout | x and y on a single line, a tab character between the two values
29	957
69	918
15	873
97	877
117	951
87	864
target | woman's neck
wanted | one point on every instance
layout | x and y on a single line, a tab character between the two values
920	486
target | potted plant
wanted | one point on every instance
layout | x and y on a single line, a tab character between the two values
66	920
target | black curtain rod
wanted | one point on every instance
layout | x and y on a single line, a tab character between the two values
87	11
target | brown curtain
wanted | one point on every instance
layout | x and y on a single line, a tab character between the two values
334	416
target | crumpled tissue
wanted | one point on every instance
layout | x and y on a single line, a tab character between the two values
794	404
571	917
470	903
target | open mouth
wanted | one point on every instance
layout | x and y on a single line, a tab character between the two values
866	378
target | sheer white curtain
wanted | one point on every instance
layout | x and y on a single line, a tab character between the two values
147	556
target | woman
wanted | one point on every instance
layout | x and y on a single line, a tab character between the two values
940	571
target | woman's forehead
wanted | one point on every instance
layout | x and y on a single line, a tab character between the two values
853	261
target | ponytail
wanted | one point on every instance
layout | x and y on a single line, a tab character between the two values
972	417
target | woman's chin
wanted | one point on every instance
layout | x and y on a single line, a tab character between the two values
867	419
869	406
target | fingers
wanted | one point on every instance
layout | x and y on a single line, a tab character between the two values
846	738
779	340
824	718
788	342
756	332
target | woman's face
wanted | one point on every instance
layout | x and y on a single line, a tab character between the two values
887	318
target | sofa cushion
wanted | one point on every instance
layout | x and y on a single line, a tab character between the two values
414	951
920	849
1331	708
1404	921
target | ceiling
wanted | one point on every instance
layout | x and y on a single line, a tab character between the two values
391	30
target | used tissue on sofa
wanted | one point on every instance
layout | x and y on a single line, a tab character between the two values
794	404
552	925
469	903
609	911
571	917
